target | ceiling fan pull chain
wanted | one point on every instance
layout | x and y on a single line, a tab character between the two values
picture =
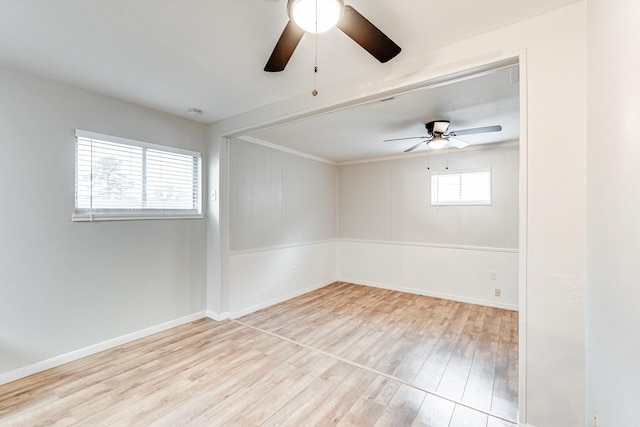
315	73
315	56
315	70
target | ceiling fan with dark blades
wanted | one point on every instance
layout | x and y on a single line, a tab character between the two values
346	18
437	136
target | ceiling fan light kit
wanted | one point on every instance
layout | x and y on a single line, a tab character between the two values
315	16
438	142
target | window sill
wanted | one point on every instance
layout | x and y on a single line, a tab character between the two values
100	218
461	204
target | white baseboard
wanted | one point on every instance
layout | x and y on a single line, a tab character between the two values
458	298
218	317
235	314
95	348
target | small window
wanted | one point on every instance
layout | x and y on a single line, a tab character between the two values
471	187
118	178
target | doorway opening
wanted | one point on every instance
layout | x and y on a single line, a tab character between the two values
388	233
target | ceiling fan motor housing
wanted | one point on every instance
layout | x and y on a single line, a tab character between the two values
437	127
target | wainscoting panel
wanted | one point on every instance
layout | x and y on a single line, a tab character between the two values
265	277
460	273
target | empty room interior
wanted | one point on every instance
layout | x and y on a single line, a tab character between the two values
421	215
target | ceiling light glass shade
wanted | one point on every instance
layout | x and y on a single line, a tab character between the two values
303	13
437	143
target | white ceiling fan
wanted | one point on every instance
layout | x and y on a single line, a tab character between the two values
437	136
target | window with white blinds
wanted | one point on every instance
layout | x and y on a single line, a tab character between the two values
470	187
119	178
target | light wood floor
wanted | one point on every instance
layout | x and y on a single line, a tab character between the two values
344	355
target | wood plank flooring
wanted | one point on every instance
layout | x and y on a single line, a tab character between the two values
343	355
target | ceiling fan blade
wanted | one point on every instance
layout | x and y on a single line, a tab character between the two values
404	139
485	129
287	43
367	35
458	143
413	147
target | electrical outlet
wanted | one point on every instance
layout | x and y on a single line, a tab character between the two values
497	292
493	275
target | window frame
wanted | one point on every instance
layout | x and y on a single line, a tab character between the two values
119	214
462	172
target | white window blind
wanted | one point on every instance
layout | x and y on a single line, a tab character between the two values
119	178
472	187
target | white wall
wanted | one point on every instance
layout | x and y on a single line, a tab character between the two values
282	225
66	286
613	293
554	107
391	236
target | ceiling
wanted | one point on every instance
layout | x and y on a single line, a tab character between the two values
209	54
486	99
